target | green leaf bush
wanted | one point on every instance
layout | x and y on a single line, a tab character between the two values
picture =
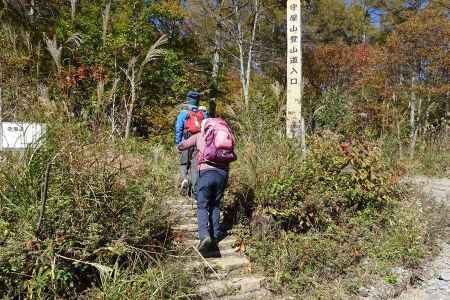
103	209
329	184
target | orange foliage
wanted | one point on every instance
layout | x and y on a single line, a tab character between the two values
341	65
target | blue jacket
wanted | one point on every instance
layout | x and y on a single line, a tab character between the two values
179	127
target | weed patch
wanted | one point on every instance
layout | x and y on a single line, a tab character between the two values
333	219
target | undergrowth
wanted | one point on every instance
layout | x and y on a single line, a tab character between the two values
100	219
324	224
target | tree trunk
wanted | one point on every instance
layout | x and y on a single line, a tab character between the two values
130	111
1	102
250	55
73	6
113	117
445	127
246	67
397	121
215	71
105	18
412	124
241	52
128	124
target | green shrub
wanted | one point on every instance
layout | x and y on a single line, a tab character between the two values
99	210
335	216
344	255
334	111
329	184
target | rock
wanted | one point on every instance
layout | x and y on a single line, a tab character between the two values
445	275
230	263
364	292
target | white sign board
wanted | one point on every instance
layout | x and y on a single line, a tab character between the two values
294	121
18	136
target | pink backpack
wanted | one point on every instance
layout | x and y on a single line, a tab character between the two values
219	142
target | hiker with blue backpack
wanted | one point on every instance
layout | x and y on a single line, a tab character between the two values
215	151
188	123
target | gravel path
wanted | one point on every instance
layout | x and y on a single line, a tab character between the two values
434	283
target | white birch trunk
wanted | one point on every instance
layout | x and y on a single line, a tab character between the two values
250	55
130	107
246	66
105	18
215	70
412	121
73	7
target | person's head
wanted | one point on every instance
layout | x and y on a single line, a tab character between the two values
193	98
202	108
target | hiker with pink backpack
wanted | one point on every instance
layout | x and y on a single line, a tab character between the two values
215	144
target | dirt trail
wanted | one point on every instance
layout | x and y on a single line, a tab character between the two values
434	278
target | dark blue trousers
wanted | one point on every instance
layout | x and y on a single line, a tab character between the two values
210	189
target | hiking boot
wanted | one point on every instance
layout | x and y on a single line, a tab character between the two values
204	245
213	250
184	187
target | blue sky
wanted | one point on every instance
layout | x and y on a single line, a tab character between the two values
374	13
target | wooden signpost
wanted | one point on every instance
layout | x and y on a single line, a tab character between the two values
295	124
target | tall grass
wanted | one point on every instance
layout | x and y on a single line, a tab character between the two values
103	216
323	224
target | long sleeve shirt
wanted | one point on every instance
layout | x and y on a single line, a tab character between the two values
179	126
199	142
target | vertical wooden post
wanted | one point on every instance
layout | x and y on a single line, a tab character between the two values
294	121
1	110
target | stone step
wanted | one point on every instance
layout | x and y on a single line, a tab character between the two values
223	253
201	268
192	227
219	253
229	263
442	181
220	288
182	236
182	201
185	220
261	294
225	244
439	195
440	187
186	213
179	208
